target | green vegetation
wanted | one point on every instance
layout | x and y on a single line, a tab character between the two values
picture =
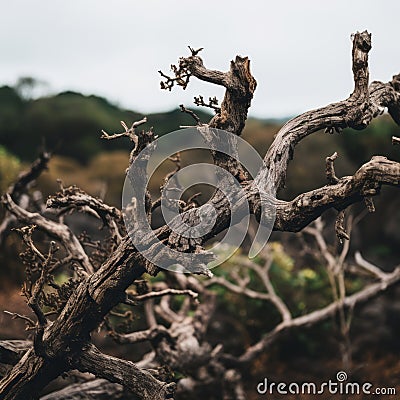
69	124
9	168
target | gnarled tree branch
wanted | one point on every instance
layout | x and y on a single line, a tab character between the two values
66	342
355	112
138	381
292	216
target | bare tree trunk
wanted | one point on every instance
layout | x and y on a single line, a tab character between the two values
65	343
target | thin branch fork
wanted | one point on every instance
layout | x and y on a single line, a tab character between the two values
141	336
14	315
191	113
388	279
75	198
128	132
56	230
22	185
26	178
367	266
263	274
252	294
212	103
182	77
33	301
242	286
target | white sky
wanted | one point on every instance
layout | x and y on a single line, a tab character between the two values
300	50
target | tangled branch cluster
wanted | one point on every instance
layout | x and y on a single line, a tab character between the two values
105	274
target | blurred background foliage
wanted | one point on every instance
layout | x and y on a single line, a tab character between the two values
69	124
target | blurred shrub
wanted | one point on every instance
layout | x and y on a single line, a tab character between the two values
304	288
103	177
9	168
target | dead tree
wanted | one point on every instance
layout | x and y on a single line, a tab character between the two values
62	336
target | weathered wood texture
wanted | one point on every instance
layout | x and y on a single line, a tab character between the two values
65	343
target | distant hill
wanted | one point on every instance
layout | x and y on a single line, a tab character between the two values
70	124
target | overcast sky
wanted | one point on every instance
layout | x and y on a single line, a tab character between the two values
300	50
